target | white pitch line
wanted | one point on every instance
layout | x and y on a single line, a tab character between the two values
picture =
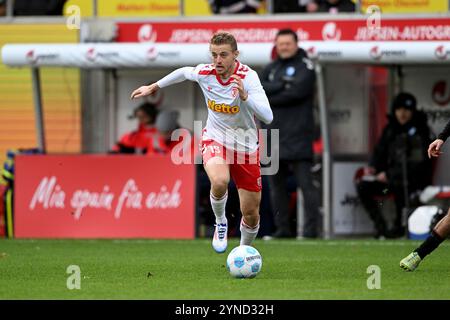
350	243
232	240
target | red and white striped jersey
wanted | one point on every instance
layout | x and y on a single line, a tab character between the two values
231	121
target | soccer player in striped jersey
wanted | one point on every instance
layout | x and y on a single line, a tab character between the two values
234	96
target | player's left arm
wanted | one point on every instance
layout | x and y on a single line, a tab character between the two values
253	96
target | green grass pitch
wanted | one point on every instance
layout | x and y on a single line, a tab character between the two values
178	269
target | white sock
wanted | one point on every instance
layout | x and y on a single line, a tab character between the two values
218	206
248	234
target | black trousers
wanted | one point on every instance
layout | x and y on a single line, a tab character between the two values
280	200
368	192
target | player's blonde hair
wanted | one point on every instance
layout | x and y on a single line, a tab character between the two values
222	37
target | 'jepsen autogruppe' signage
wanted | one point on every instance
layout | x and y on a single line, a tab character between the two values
264	30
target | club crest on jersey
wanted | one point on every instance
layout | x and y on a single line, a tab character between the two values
222	107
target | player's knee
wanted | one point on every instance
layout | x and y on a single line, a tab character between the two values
219	184
250	211
251	218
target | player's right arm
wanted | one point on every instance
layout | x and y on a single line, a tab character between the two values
434	150
144	91
179	75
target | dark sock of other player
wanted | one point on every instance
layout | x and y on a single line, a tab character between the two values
428	246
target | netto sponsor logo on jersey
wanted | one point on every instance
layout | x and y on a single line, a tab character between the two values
222	107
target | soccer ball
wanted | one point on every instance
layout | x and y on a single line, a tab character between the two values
244	262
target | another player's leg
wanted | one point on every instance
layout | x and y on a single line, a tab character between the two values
219	176
438	235
250	201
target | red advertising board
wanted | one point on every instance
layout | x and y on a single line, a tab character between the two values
115	196
358	29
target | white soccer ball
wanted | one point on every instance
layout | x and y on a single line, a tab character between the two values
244	262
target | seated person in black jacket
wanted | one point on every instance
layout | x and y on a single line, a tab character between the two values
399	163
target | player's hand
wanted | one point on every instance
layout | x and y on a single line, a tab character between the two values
144	91
434	150
240	86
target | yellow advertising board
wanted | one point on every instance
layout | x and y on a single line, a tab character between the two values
125	8
407	6
144	8
197	8
138	8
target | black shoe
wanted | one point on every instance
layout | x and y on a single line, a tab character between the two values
395	233
310	236
381	230
380	236
282	234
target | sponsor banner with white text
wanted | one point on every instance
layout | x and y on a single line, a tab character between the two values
89	196
358	29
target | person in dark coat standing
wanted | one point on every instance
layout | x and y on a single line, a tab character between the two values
335	6
289	82
399	161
